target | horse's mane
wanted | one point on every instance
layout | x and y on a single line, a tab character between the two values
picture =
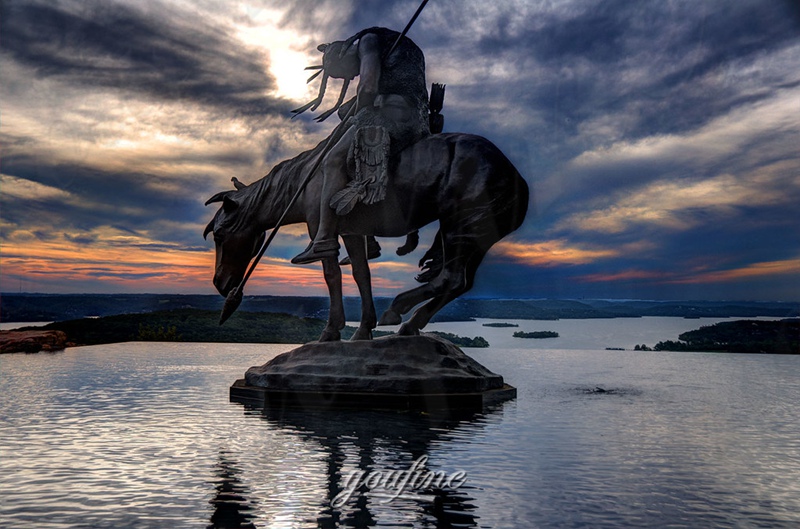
275	189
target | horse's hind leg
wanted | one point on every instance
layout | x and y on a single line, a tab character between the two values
357	251
406	301
462	272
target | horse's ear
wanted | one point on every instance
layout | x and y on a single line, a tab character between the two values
229	204
208	229
218	197
322	47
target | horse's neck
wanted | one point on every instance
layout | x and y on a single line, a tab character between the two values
272	195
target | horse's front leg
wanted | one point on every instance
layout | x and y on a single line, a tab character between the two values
333	278
357	251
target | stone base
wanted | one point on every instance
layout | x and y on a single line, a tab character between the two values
408	372
262	397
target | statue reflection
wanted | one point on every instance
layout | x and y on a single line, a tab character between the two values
231	506
381	441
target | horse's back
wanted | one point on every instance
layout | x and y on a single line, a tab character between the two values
462	180
482	185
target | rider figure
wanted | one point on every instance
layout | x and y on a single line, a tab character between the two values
392	103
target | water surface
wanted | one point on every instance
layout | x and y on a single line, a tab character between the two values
143	435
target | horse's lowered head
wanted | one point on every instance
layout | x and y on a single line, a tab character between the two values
236	238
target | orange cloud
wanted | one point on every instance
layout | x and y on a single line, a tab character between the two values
621	276
40	264
769	268
551	253
117	262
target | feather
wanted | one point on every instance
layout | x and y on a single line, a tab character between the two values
325	115
321	95
313	77
300	110
345	200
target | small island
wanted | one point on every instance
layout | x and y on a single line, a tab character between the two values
462	341
742	336
500	325
536	334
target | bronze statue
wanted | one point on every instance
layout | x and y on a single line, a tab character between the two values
391	113
383	174
461	180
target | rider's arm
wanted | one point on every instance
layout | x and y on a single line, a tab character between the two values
370	71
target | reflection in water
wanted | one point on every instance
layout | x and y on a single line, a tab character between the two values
382	441
129	436
231	506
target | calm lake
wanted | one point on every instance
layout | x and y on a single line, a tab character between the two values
143	435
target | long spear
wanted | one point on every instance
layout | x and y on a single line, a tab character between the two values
235	296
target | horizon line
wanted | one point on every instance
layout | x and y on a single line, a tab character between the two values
579	299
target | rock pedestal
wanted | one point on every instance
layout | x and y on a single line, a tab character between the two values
415	372
31	341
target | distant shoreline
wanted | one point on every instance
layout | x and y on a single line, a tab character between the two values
59	307
182	325
780	336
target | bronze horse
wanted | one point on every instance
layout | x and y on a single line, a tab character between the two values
461	180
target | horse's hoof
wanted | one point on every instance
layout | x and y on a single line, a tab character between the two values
390	317
330	336
365	334
407	330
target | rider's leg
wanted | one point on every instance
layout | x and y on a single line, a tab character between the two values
334	171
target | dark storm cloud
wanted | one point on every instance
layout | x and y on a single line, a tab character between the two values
110	45
665	67
96	198
610	31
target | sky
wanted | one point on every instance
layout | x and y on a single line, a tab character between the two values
660	139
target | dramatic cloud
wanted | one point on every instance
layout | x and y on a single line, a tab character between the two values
659	138
117	46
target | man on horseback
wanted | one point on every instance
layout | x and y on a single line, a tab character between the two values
391	113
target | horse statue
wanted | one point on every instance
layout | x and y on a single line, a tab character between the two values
462	180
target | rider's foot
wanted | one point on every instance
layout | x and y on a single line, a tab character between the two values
317	251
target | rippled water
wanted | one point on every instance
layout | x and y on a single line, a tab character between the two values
143	435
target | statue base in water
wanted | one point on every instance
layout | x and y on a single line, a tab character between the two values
408	372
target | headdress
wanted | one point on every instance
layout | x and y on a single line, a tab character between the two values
331	66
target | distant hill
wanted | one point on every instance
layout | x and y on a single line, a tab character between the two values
192	325
60	307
